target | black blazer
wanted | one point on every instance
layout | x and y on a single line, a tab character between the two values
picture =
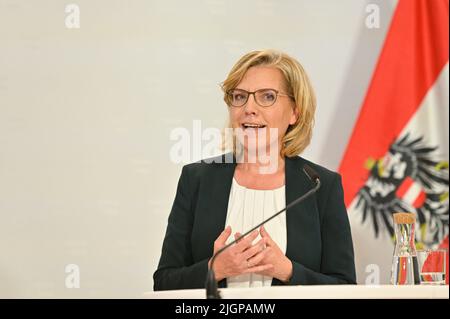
319	241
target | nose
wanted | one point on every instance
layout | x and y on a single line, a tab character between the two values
251	107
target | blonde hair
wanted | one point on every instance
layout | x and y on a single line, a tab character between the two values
298	135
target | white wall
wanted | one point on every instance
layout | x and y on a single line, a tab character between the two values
85	118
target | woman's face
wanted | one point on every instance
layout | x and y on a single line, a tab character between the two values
269	120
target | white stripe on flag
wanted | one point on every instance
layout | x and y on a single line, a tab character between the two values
412	193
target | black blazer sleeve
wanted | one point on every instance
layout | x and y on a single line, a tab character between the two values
172	272
337	261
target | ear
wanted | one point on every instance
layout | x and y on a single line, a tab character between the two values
294	116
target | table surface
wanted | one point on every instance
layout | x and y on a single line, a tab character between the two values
314	292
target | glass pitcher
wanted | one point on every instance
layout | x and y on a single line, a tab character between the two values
405	269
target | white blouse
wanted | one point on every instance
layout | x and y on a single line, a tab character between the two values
248	207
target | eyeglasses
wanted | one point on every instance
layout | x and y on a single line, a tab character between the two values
263	97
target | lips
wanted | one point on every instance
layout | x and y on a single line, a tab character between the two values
252	125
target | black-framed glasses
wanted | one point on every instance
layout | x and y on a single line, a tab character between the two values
263	97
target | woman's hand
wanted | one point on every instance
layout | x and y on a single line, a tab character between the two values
240	258
282	266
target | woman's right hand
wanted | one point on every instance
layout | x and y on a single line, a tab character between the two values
235	260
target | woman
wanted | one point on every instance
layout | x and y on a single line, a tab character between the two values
271	107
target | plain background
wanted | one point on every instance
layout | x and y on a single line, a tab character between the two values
86	115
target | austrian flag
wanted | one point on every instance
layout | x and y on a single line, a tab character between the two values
397	157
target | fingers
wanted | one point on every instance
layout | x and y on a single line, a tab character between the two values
222	239
246	242
258	268
259	257
265	234
253	250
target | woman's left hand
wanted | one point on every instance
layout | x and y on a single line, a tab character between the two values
282	266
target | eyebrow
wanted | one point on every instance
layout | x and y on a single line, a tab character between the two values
265	88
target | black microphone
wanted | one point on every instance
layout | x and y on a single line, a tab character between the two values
212	291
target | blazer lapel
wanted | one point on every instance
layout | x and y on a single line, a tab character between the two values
301	219
217	187
220	193
212	208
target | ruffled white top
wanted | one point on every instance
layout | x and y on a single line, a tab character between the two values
248	207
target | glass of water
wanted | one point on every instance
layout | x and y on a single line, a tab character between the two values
432	266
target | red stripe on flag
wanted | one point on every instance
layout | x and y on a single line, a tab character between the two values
403	188
413	55
420	200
